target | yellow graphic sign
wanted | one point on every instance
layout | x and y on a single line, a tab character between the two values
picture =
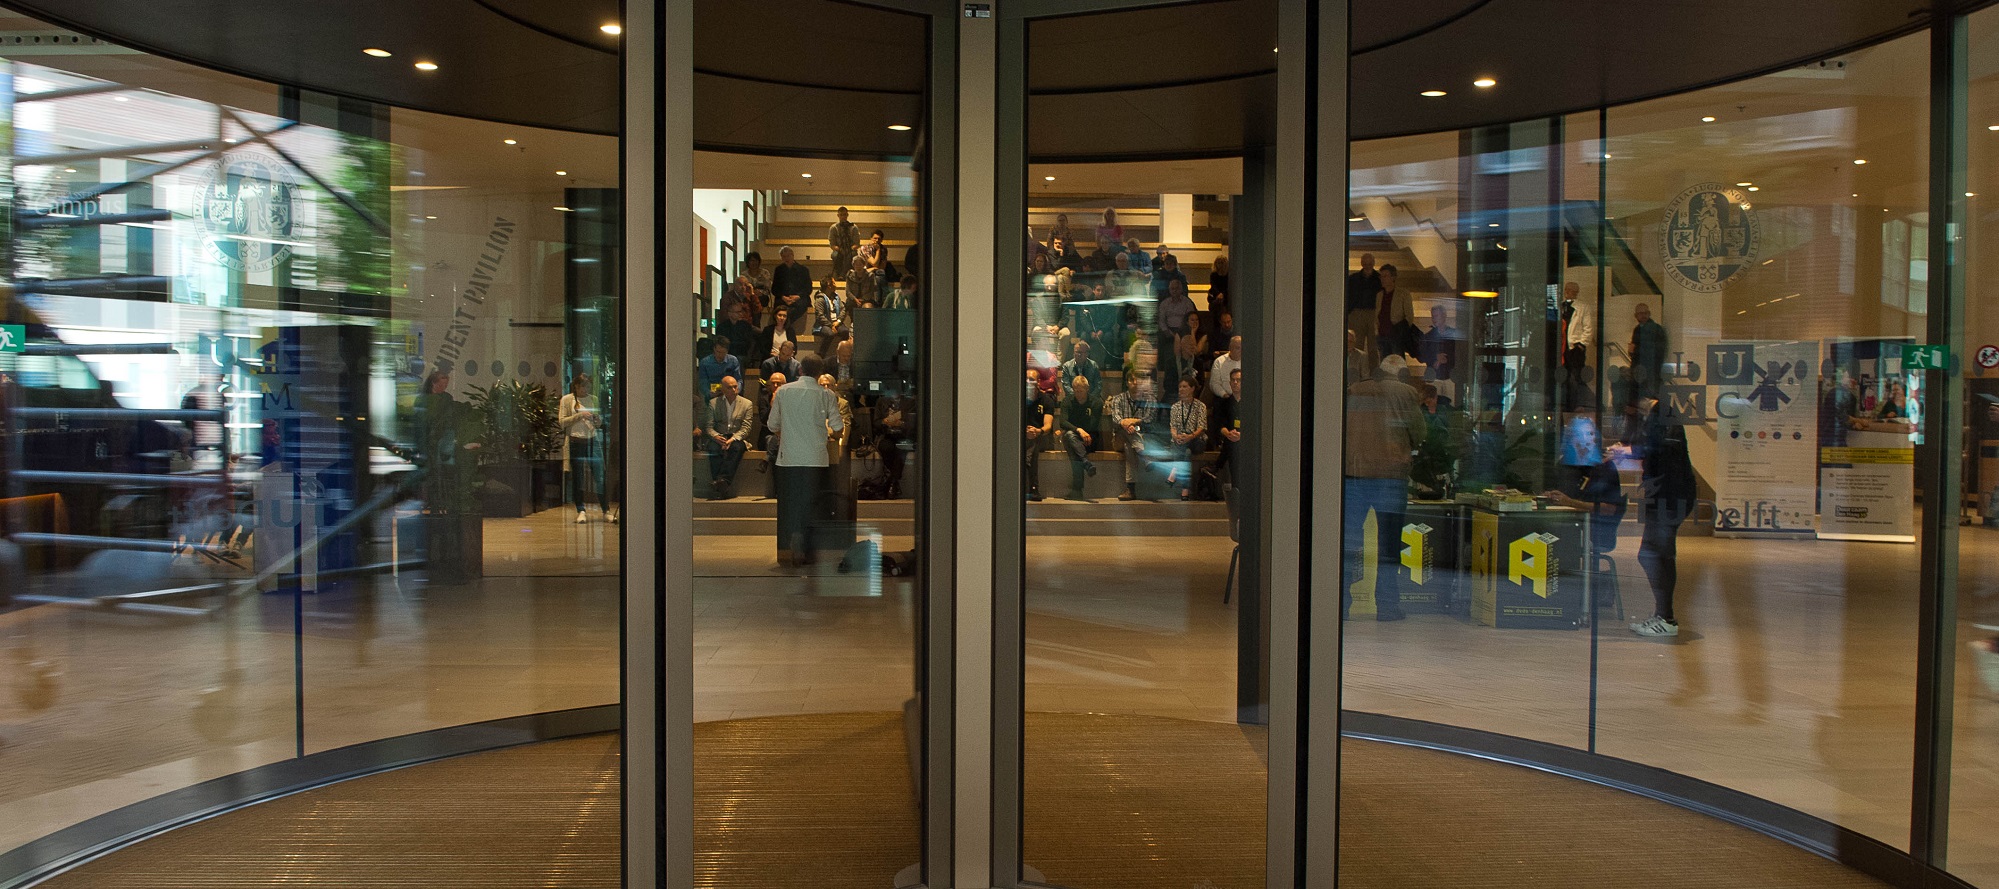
1531	562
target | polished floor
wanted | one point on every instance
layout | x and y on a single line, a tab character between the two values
1794	679
825	802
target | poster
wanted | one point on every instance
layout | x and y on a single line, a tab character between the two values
1869	413
1766	421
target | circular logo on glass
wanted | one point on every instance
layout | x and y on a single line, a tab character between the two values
246	213
1710	237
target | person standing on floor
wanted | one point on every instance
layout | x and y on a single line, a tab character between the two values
577	414
809	411
1385	426
1667	485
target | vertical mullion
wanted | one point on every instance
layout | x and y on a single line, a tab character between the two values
936	507
1941	475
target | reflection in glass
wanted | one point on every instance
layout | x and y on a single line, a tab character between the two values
282	435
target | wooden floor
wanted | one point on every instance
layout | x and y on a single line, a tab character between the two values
825	802
1794	680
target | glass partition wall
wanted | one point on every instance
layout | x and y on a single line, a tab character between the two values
809	459
311	421
1146	697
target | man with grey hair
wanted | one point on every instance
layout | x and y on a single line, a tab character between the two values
726	436
802	414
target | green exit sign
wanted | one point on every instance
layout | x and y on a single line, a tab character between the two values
13	338
1917	356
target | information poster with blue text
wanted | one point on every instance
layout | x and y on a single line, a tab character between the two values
1766	425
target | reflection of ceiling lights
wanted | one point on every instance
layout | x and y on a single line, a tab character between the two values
1482	294
69	169
1356	219
1993	127
1744	184
1434	94
1708	119
562	172
510	141
1859	160
426	66
378	52
1492	225
899	127
565	209
121	99
1754	188
805	175
430	217
613	29
1485	83
1048	179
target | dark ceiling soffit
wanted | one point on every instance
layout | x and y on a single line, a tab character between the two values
1198	154
1049	10
774	81
1444	22
546	32
149	49
1163	85
801	153
1863	43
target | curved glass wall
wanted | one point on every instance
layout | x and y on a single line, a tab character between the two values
308	426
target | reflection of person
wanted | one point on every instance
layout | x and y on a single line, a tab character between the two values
1666	482
726	437
1439	347
1837	409
1648	352
1578	329
1394	321
1592	485
578	416
1896	406
1385	426
808	410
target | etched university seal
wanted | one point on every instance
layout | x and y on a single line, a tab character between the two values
246	213
1710	237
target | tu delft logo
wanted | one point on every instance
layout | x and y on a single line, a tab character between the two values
246	213
1710	237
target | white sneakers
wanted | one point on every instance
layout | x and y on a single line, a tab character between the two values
582	517
1656	626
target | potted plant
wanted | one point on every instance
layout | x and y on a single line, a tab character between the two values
520	431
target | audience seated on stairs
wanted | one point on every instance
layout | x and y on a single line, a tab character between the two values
791	287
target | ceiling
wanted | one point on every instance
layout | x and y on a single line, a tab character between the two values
826	78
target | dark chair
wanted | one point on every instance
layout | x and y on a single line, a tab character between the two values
1235	536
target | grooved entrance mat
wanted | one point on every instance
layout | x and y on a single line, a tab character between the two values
1113	802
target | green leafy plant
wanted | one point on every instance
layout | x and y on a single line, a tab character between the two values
520	420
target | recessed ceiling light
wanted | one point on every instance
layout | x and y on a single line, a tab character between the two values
1859	160
1434	94
562	172
430	217
1048	179
1744	184
805	175
1273	49
899	127
613	29
1356	219
510	141
1485	83
1754	188
1606	157
378	52
426	66
1482	294
1708	119
1492	225
228	141
121	98
69	169
564	209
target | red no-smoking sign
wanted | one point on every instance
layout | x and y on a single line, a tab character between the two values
1988	357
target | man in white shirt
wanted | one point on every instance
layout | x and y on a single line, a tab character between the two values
1218	376
809	411
1579	321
